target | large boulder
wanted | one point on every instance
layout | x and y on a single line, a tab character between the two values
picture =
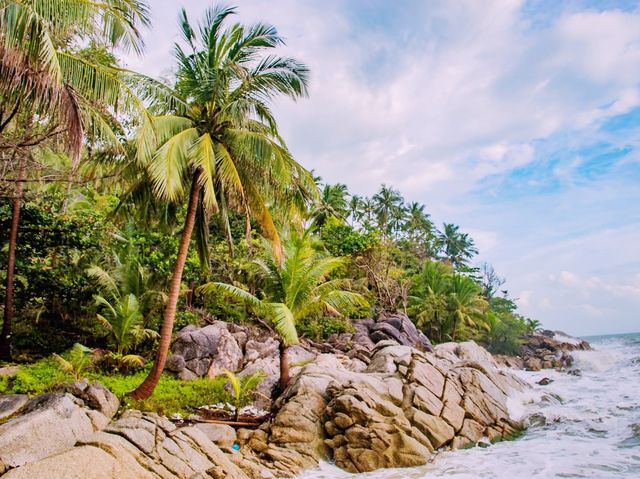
550	349
209	350
49	424
95	396
398	327
466	351
140	446
406	404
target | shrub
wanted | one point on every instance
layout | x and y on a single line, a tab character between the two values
321	327
76	361
185	318
36	378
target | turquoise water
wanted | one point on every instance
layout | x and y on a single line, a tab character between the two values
585	426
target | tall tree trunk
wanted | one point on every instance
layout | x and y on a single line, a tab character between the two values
190	294
455	326
146	388
284	367
5	336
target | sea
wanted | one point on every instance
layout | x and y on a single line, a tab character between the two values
579	426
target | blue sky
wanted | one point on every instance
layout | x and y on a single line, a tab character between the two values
518	120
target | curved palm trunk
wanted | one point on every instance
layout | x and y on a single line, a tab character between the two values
146	388
5	336
284	367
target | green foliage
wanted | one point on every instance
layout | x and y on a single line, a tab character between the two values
341	239
185	318
298	288
505	332
78	361
319	328
171	396
37	378
124	321
243	389
51	287
447	304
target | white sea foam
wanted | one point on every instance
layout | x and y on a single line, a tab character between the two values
585	426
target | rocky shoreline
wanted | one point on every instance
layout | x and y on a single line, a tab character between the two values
376	398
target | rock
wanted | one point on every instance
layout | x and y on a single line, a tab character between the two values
209	350
12	403
220	434
548	349
228	355
137	446
50	424
403	406
515	362
545	381
260	349
187	375
533	364
393	411
299	356
9	371
435	428
270	366
399	328
176	363
472	430
81	463
95	395
197	343
466	351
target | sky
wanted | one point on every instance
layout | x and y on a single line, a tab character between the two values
517	120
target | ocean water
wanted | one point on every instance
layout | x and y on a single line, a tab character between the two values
584	426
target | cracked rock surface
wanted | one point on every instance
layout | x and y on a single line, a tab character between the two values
393	410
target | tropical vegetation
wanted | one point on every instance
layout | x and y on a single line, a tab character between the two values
132	207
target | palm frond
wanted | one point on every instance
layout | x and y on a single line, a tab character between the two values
284	323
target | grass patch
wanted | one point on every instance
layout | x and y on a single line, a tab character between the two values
170	396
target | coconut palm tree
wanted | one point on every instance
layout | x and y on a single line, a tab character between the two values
387	203
51	92
428	302
222	152
367	212
294	290
466	304
333	203
418	225
457	248
355	209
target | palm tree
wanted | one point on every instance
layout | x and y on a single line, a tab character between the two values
465	303
532	325
222	149
127	276
387	203
355	209
124	320
457	248
332	204
50	92
125	300
367	212
294	290
418	225
428	303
